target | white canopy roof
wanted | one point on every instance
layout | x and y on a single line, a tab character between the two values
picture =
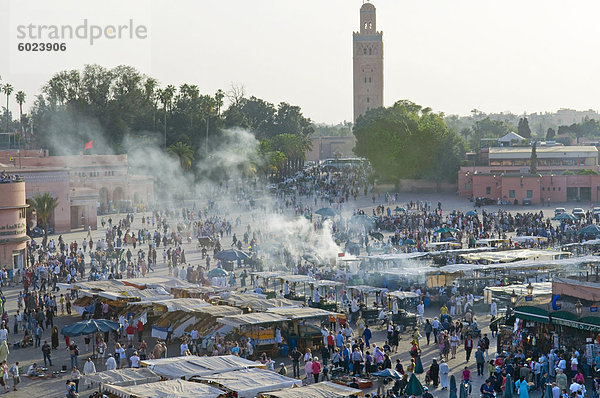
325	389
165	389
192	365
512	136
256	318
300	312
179	304
123	377
249	383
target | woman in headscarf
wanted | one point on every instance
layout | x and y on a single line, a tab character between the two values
54	338
434	373
444	371
522	388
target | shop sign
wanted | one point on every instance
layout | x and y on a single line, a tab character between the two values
528	298
594	308
575	324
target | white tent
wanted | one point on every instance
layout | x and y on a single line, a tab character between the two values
510	137
122	377
325	389
192	365
165	389
249	383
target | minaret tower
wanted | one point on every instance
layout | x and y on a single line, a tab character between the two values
368	63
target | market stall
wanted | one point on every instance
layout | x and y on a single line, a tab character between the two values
403	306
164	389
324	389
249	383
121	377
260	327
328	294
305	327
192	365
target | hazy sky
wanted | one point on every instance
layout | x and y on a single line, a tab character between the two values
519	56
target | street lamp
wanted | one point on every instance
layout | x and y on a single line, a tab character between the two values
578	307
530	289
513	297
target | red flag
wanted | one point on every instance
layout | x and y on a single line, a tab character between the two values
89	145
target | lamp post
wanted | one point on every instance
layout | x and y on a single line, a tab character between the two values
530	289
513	298
578	308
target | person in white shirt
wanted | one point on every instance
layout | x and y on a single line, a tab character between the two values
493	309
111	364
421	311
3	333
183	348
135	360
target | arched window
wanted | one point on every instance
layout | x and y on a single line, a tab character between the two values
368	99
364	51
369	51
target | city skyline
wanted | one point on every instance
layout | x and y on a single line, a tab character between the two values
514	56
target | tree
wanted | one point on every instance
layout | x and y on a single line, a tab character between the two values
407	141
550	134
523	129
43	205
166	97
533	160
184	153
7	89
20	97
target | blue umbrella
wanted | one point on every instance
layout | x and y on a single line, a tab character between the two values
566	216
326	212
232	255
452	387
471	213
589	230
217	272
90	326
388	373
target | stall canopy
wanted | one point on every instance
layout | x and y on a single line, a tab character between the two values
165	389
512	255
157	281
325	389
248	383
531	313
259	303
192	365
123	377
180	304
300	312
403	295
257	318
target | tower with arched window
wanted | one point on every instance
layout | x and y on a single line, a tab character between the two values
368	63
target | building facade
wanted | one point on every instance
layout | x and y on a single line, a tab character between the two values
13	225
85	185
563	175
368	63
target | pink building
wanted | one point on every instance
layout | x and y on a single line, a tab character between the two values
504	175
12	223
85	185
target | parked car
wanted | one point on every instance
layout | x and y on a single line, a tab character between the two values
481	201
559	210
596	211
36	232
579	212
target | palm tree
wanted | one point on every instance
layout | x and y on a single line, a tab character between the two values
7	89
20	97
44	205
166	97
184	152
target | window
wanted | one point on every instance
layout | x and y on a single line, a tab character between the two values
511	193
22	213
368	100
369	80
365	79
369	51
529	193
542	188
488	190
559	188
364	51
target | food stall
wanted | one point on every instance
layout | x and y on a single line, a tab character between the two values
324	389
306	325
164	389
362	294
297	285
192	365
328	294
406	303
121	377
249	383
260	328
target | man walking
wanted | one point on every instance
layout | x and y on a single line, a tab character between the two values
47	352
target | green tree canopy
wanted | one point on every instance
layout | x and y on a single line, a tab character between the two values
408	141
43	204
